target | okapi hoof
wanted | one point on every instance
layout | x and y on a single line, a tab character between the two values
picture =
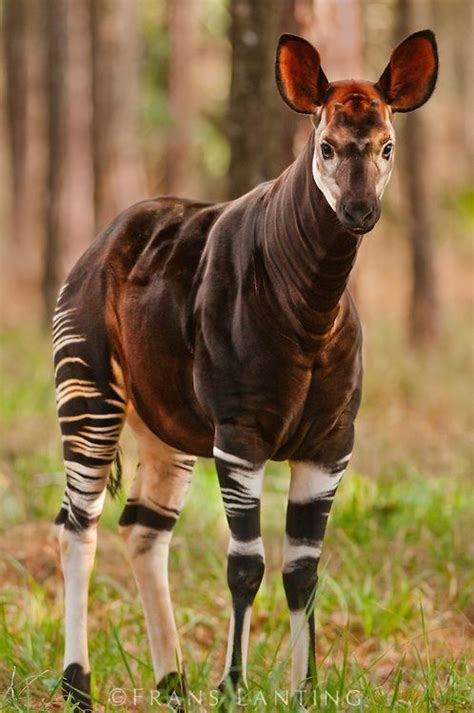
173	690
232	692
76	687
231	683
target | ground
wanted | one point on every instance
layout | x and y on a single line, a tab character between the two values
394	609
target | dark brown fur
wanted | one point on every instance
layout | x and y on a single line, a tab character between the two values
231	322
234	317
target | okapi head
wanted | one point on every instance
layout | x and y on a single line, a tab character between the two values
354	136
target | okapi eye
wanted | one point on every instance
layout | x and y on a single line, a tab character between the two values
387	150
327	150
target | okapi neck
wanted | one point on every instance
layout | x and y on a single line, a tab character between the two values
308	255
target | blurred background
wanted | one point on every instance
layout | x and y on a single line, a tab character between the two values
107	102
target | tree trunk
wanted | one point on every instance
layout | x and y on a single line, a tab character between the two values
24	62
278	149
180	159
56	29
338	34
261	128
70	208
14	47
468	52
77	200
424	310
119	175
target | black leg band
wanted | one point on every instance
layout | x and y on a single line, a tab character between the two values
76	686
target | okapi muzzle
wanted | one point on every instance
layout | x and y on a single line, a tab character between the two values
358	207
226	330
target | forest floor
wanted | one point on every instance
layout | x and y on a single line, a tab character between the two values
394	609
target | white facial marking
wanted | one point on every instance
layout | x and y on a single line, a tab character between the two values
325	170
384	165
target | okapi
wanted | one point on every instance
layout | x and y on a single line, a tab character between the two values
227	330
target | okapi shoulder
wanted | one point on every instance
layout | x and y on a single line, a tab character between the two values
232	239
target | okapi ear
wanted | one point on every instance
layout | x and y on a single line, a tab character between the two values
299	77
410	76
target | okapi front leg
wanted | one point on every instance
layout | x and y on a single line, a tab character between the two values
241	485
312	490
156	500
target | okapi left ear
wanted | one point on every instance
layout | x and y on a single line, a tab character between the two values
299	77
410	76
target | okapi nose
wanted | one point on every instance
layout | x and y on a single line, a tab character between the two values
357	213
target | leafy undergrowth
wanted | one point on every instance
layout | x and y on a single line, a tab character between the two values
394	608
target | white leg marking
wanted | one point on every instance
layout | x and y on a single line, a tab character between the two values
151	574
244	644
246	547
161	483
230	646
309	481
77	558
229	458
299	648
295	550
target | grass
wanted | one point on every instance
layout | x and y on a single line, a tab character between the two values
394	604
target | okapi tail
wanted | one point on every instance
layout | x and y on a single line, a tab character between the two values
114	482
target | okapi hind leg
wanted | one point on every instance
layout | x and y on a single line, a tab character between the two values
156	499
91	406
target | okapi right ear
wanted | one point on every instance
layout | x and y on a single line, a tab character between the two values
410	76
299	77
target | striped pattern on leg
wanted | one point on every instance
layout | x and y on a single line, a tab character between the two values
241	486
91	419
91	416
312	491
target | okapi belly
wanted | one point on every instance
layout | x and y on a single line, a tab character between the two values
160	386
175	420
